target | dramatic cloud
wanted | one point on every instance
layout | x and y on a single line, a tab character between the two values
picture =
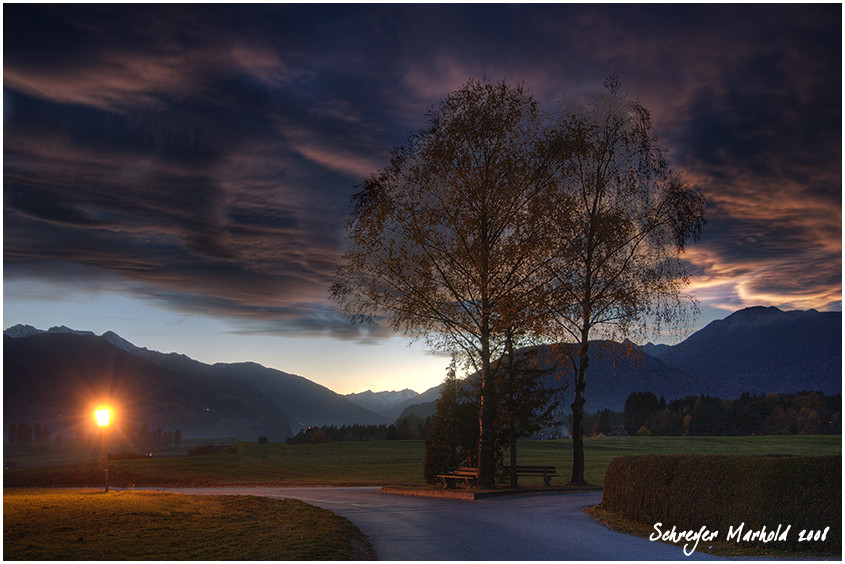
202	157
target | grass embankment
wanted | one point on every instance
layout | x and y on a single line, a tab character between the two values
94	525
372	463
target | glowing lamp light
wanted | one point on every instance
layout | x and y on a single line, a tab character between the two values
102	414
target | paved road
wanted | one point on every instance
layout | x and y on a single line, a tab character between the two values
543	527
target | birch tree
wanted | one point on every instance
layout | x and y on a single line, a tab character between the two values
446	242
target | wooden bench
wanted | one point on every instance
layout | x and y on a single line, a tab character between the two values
545	471
466	474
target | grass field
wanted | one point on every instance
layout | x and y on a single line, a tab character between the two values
93	525
75	451
386	462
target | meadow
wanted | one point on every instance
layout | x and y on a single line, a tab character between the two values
373	463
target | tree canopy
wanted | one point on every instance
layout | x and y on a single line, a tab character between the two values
495	227
443	241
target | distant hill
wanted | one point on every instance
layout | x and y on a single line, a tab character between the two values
764	350
423	405
421	410
52	376
757	350
53	379
616	370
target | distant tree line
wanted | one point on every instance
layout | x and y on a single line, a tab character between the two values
451	434
25	434
142	438
406	428
802	413
134	437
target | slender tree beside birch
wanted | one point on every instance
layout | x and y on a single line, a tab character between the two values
624	218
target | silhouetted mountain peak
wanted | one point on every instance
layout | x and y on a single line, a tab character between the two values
20	331
764	349
119	342
758	316
384	403
67	330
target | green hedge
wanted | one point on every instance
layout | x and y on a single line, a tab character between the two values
720	492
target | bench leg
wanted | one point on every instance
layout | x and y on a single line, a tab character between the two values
547	479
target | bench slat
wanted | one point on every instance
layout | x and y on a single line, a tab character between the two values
464	473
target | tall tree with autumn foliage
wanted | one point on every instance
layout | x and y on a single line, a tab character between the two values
624	218
448	241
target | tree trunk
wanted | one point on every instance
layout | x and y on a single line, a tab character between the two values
514	479
512	408
486	416
578	414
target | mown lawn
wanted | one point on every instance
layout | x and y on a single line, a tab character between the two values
123	525
599	451
386	462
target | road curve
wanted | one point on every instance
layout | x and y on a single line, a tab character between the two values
539	527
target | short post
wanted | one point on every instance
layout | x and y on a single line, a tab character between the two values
103	415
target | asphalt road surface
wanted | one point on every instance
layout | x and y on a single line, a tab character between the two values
538	527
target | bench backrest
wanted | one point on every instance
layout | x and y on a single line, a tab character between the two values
540	468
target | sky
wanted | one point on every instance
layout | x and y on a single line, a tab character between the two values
181	174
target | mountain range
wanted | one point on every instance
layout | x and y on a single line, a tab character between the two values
390	404
52	376
757	350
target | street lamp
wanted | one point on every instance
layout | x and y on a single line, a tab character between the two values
103	414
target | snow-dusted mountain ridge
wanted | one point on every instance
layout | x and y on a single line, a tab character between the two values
381	402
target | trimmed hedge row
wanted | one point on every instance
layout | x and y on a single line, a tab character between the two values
720	492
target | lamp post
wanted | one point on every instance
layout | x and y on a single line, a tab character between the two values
103	414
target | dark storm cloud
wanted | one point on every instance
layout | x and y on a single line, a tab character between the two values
158	149
763	140
203	156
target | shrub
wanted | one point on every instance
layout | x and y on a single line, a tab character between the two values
725	491
319	437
